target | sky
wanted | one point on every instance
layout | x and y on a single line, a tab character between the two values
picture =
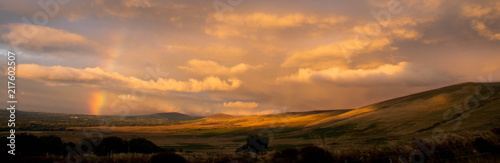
242	57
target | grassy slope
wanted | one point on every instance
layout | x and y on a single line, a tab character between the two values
393	121
411	116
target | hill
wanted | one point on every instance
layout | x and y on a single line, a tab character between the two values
458	108
173	116
220	116
39	121
395	121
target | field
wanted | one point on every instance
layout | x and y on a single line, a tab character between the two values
453	116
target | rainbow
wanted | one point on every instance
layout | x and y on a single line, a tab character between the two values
97	99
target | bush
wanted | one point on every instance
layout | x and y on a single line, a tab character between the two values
27	144
315	154
495	130
111	145
445	151
52	145
167	157
255	144
288	155
484	146
31	145
142	145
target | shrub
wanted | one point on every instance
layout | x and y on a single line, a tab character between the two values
229	159
484	146
315	154
27	144
167	157
142	145
52	145
255	144
288	155
495	130
111	145
445	151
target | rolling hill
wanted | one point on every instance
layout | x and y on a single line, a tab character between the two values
458	109
39	121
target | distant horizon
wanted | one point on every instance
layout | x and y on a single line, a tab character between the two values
261	114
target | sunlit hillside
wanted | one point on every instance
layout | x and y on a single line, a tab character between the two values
393	121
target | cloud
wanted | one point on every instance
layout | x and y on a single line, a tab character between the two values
387	74
42	39
240	105
362	39
207	67
302	45
484	30
249	25
483	19
214	51
127	97
96	75
247	112
124	9
137	3
334	53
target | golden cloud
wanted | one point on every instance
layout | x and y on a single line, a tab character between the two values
335	51
207	67
240	105
215	51
403	72
482	18
246	26
96	75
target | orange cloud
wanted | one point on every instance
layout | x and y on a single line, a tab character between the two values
207	67
215	51
481	18
240	105
246	26
335	50
96	75
403	72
